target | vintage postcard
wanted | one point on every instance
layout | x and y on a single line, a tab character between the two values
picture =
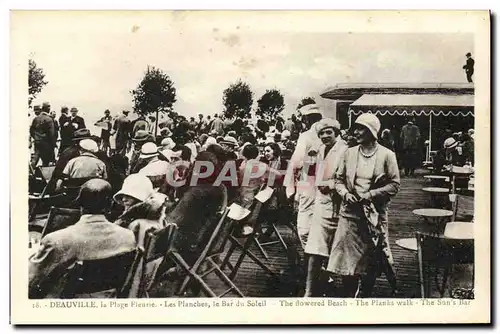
260	167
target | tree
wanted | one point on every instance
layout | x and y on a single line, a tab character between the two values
238	100
271	104
35	81
154	94
305	101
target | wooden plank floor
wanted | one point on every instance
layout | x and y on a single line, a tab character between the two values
253	281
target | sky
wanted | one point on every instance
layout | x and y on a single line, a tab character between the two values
92	62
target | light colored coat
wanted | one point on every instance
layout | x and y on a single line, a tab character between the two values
325	205
92	237
386	167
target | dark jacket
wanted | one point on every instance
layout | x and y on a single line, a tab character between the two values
43	130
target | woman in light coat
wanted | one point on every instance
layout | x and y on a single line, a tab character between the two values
367	178
326	202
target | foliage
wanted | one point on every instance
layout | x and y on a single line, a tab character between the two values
155	93
271	104
305	101
238	100
35	81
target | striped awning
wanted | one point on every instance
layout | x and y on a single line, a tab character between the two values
414	105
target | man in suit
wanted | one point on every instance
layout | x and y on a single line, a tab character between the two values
42	131
66	132
92	237
410	136
122	130
76	121
469	67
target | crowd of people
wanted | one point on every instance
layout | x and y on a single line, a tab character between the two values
339	181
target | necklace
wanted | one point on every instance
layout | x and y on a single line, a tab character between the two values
368	155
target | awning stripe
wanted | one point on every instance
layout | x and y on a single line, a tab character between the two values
406	112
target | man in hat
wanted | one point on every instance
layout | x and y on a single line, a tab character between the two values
141	137
69	153
92	237
469	67
410	136
122	130
86	165
43	132
77	122
106	132
304	161
66	131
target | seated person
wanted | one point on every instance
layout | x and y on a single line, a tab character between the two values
92	237
86	165
153	167
65	156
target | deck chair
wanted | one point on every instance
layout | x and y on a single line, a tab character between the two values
435	253
282	216
71	187
258	207
92	276
209	257
60	218
157	244
38	184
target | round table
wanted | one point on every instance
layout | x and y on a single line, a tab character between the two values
437	216
407	243
437	177
435	192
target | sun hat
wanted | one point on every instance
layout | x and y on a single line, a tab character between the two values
148	150
310	109
326	123
371	122
167	143
89	145
166	153
450	143
229	140
285	134
138	186
140	135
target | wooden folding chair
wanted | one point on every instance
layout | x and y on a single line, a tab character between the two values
283	216
254	219
436	253
112	273
209	257
60	218
157	244
38	197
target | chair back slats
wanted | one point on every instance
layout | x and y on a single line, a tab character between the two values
436	252
92	276
60	218
157	242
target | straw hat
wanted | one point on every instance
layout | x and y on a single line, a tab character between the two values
148	150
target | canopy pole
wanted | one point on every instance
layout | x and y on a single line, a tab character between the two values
350	117
430	136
